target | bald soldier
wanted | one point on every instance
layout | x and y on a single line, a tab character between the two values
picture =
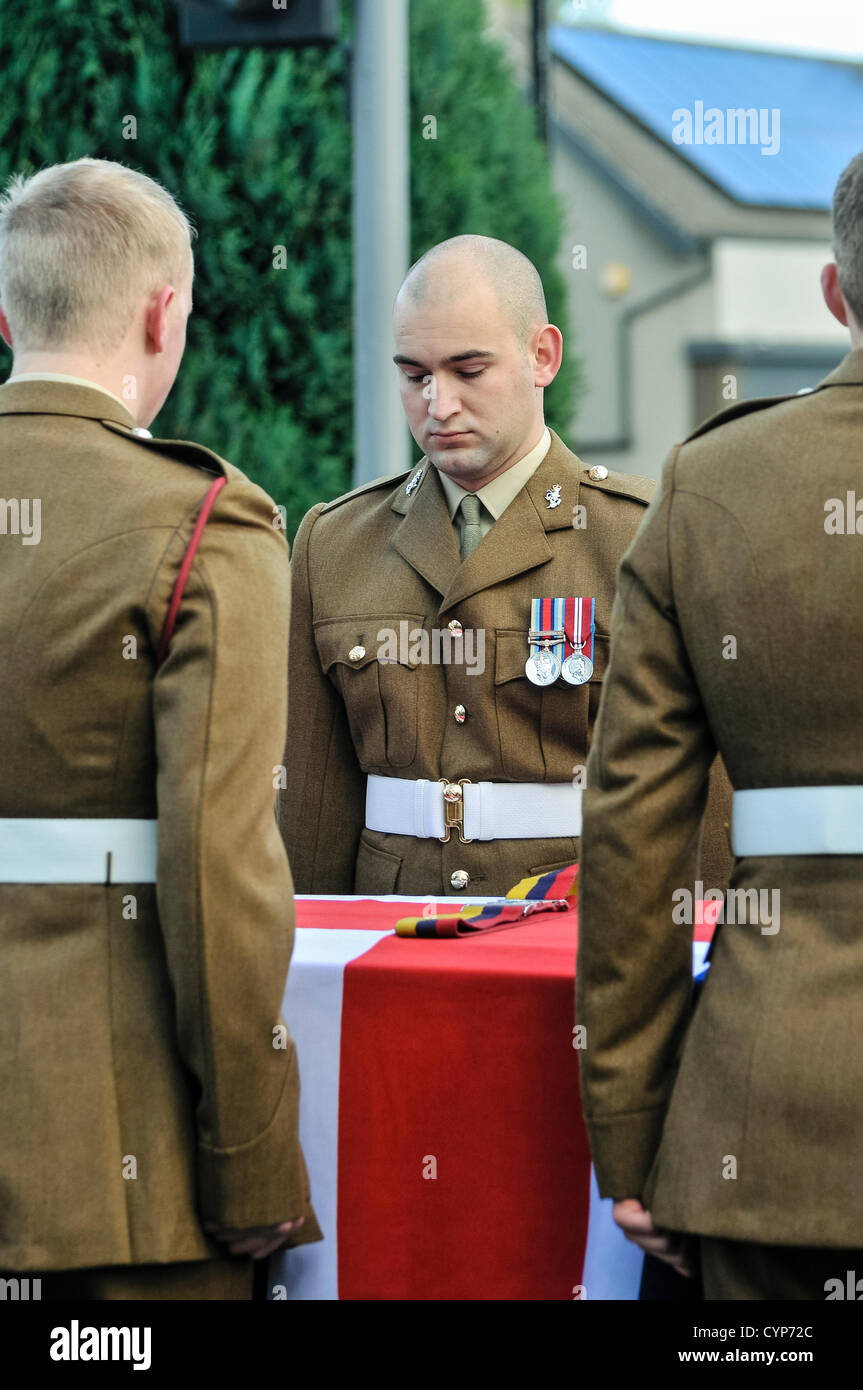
435	744
148	1086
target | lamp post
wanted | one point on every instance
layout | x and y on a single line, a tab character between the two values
381	230
539	65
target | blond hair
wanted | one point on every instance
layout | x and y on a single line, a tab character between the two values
80	244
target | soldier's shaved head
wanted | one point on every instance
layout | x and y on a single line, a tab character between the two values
475	351
447	271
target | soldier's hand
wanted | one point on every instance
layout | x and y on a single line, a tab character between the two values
637	1225
257	1241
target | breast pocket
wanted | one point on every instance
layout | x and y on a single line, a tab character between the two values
368	659
544	730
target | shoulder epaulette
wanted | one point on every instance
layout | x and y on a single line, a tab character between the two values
630	485
197	455
390	480
736	411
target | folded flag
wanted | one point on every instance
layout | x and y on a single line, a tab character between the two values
556	891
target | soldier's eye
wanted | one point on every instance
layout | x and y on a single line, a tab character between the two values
470	375
422	376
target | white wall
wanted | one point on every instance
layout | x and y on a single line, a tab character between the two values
769	292
597	216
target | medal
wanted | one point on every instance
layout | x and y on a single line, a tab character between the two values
579	613
577	669
545	638
542	668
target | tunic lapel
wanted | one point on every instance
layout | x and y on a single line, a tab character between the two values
426	537
517	541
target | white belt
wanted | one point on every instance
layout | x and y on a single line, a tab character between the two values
797	820
77	851
477	810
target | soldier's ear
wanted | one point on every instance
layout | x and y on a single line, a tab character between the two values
157	325
547	355
833	296
4	328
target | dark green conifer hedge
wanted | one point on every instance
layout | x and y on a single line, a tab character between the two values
256	146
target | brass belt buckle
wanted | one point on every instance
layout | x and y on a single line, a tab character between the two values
453	801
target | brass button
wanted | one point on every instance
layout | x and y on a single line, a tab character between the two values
460	879
460	714
456	628
356	653
598	473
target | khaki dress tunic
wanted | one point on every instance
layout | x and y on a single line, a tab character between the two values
140	1091
386	555
743	1120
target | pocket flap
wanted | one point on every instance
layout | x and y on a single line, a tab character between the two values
381	637
511	652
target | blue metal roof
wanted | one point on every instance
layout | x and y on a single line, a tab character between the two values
820	104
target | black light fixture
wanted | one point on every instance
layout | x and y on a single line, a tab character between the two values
250	23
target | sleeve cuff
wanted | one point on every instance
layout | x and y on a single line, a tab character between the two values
263	1182
623	1148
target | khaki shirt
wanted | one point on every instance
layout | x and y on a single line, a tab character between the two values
496	495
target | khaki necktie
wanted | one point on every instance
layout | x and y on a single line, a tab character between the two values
471	530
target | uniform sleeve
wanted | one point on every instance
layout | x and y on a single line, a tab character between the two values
322	808
716	860
647	780
223	883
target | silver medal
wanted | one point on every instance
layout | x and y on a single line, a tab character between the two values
542	667
577	669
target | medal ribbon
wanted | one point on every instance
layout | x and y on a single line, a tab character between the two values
535	621
579	622
555	615
546	615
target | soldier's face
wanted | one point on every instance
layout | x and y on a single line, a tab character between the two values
467	384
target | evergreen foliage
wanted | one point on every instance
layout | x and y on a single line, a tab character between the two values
256	146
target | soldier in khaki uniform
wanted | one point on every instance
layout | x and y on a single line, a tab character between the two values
148	1089
742	1124
497	513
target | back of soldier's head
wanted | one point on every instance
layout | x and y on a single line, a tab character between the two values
848	234
80	243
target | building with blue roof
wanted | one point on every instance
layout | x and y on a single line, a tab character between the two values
697	181
820	103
